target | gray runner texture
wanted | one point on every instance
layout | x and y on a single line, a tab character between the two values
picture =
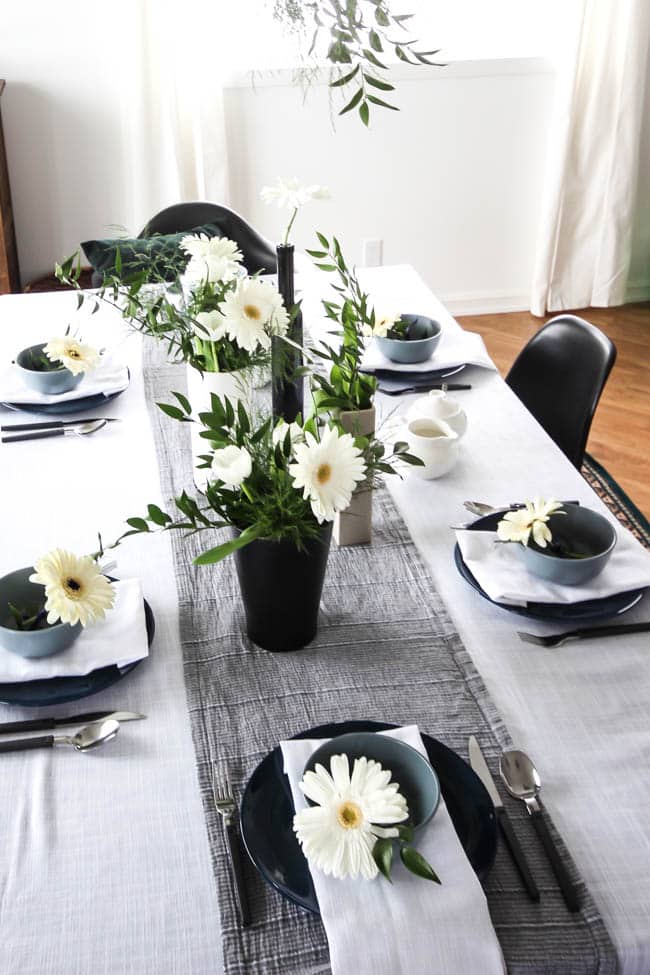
386	650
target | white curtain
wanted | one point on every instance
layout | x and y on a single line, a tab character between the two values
584	247
172	105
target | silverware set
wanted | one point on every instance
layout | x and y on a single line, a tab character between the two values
54	428
522	781
227	808
98	727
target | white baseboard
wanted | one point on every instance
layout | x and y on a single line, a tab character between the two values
484	304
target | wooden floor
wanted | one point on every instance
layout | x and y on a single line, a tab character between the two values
620	434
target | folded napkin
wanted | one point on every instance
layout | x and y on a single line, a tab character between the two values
120	638
455	348
109	377
500	571
412	926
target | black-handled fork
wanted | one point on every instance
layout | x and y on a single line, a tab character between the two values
80	430
54	424
227	808
584	633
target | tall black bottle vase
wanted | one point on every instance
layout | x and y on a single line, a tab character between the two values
287	388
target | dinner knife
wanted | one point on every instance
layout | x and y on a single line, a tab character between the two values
479	765
46	724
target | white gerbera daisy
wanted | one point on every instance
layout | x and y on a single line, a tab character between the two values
250	312
383	323
328	470
338	834
213	325
211	258
76	591
518	525
72	354
232	465
291	194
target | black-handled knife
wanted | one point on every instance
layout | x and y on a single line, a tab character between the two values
53	424
47	724
479	765
450	387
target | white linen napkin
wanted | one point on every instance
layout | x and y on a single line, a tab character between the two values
499	569
109	377
412	926
120	638
455	348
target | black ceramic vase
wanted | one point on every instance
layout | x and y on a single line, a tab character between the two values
287	387
281	588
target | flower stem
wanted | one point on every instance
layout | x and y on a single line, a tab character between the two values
285	239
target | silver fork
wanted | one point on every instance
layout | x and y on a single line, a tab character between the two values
585	633
227	807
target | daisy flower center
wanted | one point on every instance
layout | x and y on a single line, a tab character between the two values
72	588
323	473
252	311
73	354
349	815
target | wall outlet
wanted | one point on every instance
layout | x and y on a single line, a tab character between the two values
372	253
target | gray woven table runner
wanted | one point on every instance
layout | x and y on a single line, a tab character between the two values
386	649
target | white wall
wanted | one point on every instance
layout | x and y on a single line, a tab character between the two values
451	184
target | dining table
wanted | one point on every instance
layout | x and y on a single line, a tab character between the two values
108	859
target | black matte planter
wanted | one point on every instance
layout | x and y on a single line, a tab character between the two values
287	388
281	588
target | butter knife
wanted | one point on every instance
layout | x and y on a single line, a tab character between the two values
46	724
479	765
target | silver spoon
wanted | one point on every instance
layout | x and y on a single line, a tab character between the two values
90	736
523	782
81	430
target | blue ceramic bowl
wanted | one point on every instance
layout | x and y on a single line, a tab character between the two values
417	780
422	337
579	530
16	588
51	382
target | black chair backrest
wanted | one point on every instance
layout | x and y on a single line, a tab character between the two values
559	376
259	254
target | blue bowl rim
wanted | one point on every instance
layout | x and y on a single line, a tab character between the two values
415	342
422	758
49	628
587	558
40	372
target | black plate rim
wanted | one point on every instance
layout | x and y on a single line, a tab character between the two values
103	677
325	731
424	379
80	405
547	612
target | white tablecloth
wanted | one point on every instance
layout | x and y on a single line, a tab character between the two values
104	865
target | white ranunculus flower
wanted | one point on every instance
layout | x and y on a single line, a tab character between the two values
72	354
328	470
76	591
232	465
295	431
211	258
250	313
338	834
291	194
518	525
214	326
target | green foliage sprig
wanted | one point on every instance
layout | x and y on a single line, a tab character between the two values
382	853
346	387
359	33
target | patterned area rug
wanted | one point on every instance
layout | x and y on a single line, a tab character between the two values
616	499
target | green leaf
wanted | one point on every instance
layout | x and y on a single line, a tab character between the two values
378	101
172	411
183	400
369	56
157	516
223	551
382	854
323	239
376	83
405	833
375	41
382	17
354	101
345	78
138	523
416	863
364	111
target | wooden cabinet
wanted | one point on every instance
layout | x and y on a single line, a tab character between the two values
9	274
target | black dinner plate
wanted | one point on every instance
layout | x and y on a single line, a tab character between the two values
60	690
591	609
267	814
79	405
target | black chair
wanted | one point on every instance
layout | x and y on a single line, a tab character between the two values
259	254
559	377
